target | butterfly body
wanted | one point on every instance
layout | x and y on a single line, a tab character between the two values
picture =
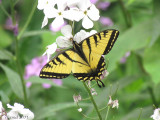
84	60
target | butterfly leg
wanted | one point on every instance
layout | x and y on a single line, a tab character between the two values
101	83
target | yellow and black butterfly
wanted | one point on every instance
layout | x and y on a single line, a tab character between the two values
84	60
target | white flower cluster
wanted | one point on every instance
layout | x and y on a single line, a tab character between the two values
73	10
156	114
66	40
113	103
18	112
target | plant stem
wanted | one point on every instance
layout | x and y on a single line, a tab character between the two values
126	14
5	12
140	114
28	20
107	112
152	96
20	73
91	98
17	56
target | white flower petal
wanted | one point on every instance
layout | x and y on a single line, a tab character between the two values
87	23
156	115
45	22
115	104
58	21
50	12
73	3
92	32
50	50
73	14
62	4
67	31
80	110
12	114
63	42
84	4
80	36
4	117
28	113
41	4
93	13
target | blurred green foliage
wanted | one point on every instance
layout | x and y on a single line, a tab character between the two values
135	83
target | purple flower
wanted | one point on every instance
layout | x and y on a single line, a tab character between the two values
93	1
9	26
106	21
123	59
34	68
56	81
103	5
45	85
0	1
55	29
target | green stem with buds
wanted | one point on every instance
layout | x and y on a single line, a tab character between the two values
107	112
28	20
94	103
126	14
17	55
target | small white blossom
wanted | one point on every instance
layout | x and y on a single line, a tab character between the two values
156	114
93	91
1	107
110	101
43	4
80	110
3	114
104	74
88	12
113	103
50	50
45	22
77	98
18	112
60	13
80	36
66	40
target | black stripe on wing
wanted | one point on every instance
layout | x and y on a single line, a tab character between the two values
111	41
50	75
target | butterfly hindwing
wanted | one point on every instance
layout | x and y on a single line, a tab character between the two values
90	70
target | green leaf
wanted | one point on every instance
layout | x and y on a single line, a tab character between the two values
14	80
49	38
135	38
51	109
5	55
4	97
38	80
134	114
155	29
151	61
5	39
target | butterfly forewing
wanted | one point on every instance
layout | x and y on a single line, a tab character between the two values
59	67
100	43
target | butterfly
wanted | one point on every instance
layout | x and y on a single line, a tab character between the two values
84	60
